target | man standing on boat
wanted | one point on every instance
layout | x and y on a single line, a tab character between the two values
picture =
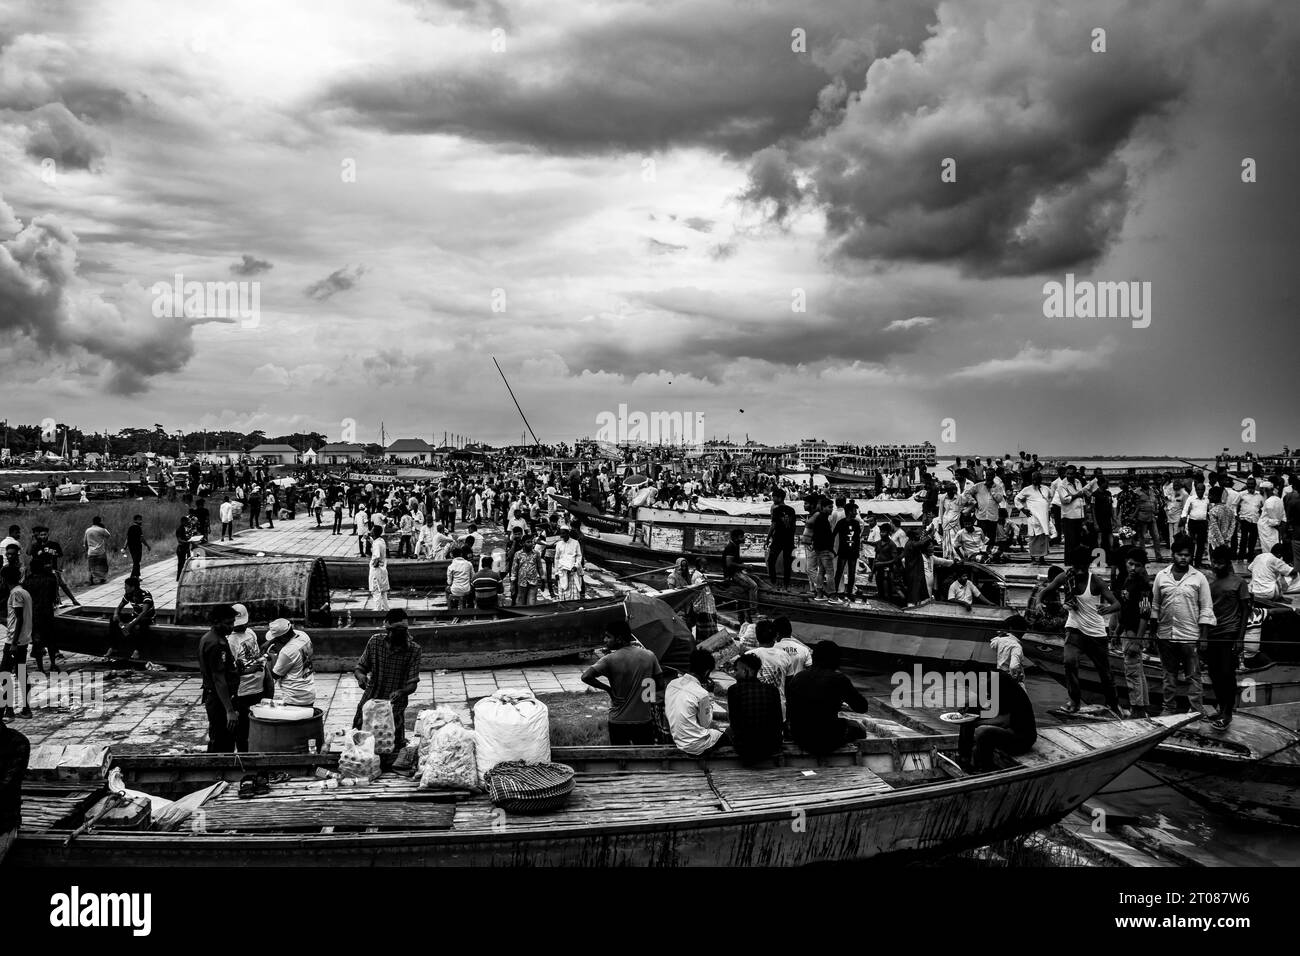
389	669
821	556
1089	602
220	674
1232	606
734	573
780	540
1182	612
378	569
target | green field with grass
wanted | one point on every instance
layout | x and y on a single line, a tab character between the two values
68	524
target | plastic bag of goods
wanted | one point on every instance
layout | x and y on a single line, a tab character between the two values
359	760
377	719
452	761
511	725
749	634
431	720
429	723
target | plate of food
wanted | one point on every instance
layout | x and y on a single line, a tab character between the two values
957	717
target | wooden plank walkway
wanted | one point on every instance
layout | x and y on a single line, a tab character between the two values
161	711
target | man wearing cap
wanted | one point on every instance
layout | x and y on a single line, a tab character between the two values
389	669
290	652
252	672
220	676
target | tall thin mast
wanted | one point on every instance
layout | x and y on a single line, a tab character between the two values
516	401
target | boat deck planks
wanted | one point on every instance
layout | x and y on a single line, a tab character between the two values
793	787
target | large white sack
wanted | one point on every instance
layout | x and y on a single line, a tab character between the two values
511	725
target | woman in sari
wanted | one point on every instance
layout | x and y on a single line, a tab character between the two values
950	519
1034	501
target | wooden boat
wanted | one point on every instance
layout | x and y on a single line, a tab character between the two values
449	639
1251	769
353	572
870	630
889	798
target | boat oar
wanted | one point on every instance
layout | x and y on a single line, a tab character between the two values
644	574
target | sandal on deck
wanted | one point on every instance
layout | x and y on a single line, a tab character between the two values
261	785
247	786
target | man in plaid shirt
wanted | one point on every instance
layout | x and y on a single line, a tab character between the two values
389	669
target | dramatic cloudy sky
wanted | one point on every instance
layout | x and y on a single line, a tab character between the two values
643	189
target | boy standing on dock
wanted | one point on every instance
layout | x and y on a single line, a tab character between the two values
1182	612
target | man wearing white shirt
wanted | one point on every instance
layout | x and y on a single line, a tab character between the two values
1182	614
1069	495
688	706
568	565
1270	576
1250	504
226	515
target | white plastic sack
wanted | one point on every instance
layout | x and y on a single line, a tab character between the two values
377	719
359	760
749	634
452	760
511	725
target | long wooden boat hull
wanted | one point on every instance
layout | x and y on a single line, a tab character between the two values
703	814
871	630
1251	769
453	640
348	572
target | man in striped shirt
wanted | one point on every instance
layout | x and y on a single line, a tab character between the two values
1182	614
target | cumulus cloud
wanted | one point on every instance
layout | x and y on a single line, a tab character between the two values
904	325
1035	121
340	280
43	300
250	266
1034	362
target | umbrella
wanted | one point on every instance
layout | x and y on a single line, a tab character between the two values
654	623
634	481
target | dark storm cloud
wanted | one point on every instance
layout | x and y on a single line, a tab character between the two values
700	332
250	266
340	280
43	300
1035	120
54	133
719	74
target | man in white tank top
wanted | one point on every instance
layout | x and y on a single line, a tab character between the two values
1089	601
